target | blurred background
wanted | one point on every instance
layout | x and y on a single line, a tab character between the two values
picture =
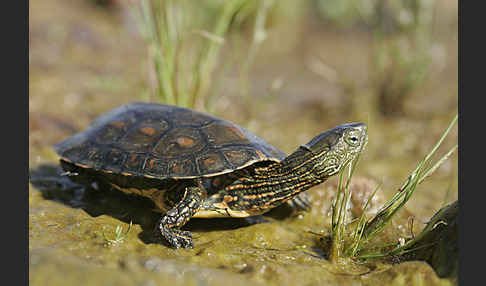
286	70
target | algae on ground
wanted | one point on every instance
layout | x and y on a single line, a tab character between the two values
67	222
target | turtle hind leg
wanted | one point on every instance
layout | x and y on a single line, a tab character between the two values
178	216
301	202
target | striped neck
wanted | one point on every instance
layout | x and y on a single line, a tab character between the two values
270	186
298	163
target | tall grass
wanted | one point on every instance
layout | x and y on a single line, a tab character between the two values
366	229
184	45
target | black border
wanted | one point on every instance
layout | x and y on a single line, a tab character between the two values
15	147
471	79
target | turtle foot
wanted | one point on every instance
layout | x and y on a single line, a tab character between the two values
181	239
176	238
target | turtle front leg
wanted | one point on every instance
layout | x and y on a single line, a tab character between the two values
178	216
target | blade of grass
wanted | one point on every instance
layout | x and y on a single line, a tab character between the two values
169	43
165	90
336	202
335	227
358	232
259	36
207	58
422	171
433	168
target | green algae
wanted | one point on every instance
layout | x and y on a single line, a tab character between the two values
68	221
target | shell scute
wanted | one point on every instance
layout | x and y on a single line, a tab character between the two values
142	137
114	160
134	162
238	157
181	168
155	167
182	117
94	158
221	133
180	142
211	162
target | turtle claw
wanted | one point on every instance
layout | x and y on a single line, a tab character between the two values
179	239
176	238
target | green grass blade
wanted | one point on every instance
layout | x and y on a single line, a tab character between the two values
384	216
436	165
358	232
207	59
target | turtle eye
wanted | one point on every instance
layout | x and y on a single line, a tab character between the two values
352	139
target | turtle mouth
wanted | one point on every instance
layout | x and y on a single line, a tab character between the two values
364	134
365	141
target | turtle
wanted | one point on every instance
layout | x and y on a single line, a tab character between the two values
192	164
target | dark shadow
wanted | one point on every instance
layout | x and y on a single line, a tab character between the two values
322	247
281	212
98	200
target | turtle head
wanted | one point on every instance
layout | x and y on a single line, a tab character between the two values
334	148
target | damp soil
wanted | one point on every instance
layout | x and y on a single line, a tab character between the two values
85	60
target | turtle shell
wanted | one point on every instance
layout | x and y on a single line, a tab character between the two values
162	141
